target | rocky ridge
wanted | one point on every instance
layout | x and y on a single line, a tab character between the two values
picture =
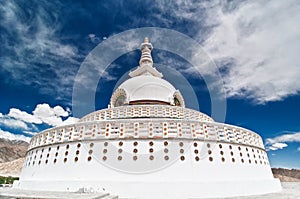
286	175
12	149
12	153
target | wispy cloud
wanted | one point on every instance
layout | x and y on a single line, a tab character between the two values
33	50
12	136
184	16
30	133
94	39
255	43
260	41
249	40
287	137
277	146
13	123
279	142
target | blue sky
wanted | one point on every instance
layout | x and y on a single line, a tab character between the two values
255	45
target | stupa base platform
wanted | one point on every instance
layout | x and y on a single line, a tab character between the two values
166	189
21	193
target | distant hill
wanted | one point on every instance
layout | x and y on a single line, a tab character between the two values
12	153
12	168
12	149
286	175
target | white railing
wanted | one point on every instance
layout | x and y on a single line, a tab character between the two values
146	111
154	128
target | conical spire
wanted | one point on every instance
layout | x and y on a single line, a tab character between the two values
146	62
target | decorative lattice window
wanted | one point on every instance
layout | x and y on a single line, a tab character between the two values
178	99
119	98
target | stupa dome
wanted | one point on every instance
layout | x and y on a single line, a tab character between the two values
144	90
146	85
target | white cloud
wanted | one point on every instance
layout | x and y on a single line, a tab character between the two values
21	120
24	116
43	113
11	136
279	142
277	146
255	42
288	137
68	110
48	115
59	111
13	123
52	120
93	38
30	133
69	120
260	40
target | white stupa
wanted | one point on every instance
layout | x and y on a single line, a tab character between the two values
148	145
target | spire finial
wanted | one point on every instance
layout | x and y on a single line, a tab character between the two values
146	48
146	62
